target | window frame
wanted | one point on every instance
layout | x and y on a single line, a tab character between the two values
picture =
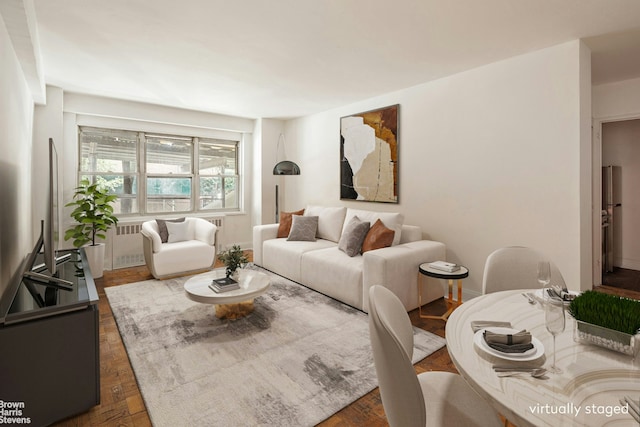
141	197
223	177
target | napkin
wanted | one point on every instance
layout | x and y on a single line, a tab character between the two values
509	343
477	325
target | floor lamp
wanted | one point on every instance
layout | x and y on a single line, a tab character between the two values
284	167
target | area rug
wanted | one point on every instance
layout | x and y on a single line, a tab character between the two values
296	360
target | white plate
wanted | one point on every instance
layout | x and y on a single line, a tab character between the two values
540	295
533	354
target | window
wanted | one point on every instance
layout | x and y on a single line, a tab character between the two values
169	167
217	175
161	173
111	159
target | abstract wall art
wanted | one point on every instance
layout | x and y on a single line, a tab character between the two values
369	156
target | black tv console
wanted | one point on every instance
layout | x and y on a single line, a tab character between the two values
49	348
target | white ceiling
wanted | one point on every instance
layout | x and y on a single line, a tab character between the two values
289	58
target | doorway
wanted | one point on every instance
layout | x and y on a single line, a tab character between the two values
621	204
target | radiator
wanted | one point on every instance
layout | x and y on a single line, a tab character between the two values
124	244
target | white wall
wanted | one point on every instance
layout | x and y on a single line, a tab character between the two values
48	124
487	158
585	166
621	147
267	132
16	120
617	100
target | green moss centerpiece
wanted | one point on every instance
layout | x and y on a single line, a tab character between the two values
607	321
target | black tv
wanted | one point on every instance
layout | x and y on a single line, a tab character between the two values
48	240
53	212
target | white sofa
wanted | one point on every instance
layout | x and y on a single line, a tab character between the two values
320	265
193	248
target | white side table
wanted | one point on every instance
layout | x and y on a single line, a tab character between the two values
458	275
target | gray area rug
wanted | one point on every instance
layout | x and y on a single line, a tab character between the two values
296	360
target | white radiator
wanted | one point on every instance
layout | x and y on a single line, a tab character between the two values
124	244
217	221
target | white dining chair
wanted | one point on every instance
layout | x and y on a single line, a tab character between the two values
515	267
410	399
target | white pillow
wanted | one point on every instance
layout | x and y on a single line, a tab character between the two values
330	220
178	231
392	220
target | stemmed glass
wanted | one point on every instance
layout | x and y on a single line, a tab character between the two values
554	320
544	275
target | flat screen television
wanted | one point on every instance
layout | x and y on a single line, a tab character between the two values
48	240
52	215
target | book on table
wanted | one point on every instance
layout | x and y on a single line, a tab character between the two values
219	289
449	267
224	284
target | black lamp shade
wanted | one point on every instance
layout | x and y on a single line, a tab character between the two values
286	167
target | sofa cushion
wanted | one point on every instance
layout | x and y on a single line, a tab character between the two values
410	233
178	231
303	228
330	221
188	255
391	220
162	228
333	273
284	226
353	236
283	257
378	237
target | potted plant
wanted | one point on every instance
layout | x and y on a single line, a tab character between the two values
233	259
607	320
94	216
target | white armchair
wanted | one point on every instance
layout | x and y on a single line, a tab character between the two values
190	248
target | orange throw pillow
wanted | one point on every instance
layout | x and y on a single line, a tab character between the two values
378	237
285	222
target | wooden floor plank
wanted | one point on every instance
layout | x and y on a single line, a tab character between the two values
122	404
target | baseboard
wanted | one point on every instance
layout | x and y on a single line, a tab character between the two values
468	294
243	245
631	264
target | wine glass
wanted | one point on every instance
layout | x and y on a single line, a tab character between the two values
554	321
544	275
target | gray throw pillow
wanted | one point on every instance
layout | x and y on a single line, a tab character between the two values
353	236
162	228
303	228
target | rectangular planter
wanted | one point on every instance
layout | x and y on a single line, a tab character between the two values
621	342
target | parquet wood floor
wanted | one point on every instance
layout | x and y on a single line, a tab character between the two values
121	402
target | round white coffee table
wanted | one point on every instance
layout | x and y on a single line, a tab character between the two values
231	304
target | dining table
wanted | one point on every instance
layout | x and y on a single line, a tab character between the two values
589	391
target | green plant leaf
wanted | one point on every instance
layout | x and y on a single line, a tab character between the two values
93	212
609	311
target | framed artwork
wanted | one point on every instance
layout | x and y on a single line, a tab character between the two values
369	156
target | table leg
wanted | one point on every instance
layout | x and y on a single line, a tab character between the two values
234	311
450	302
420	283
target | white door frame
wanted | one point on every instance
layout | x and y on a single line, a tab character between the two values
596	180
